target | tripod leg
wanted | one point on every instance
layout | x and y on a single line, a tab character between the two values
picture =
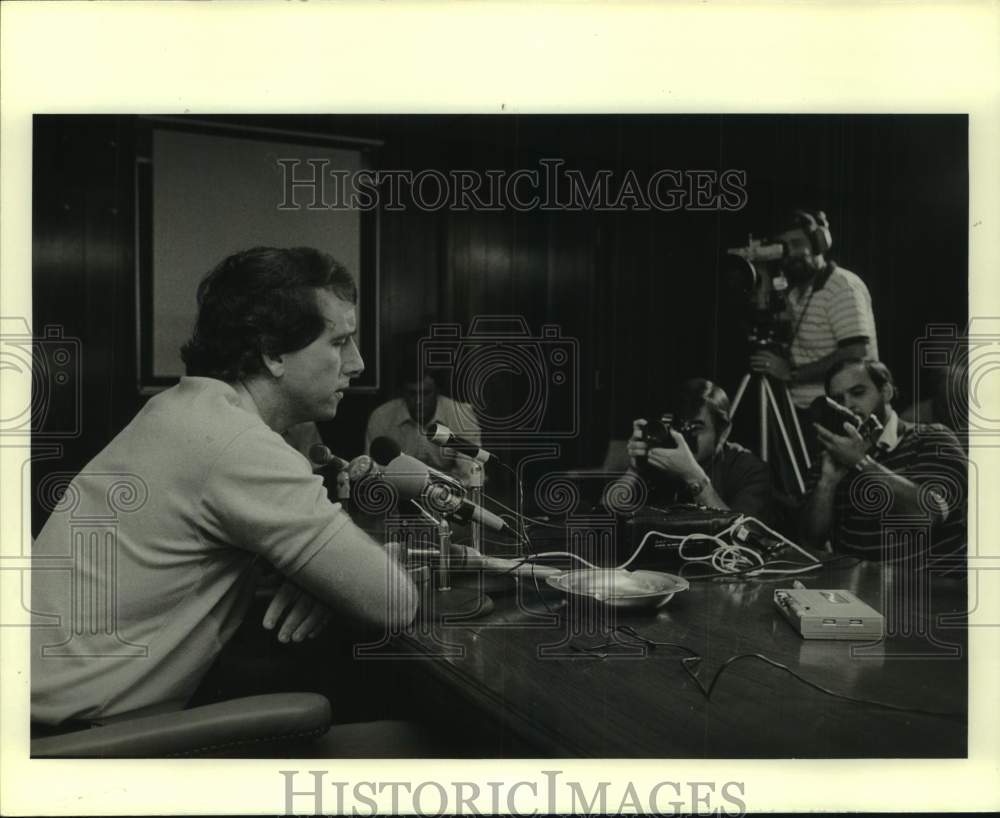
739	394
798	428
784	436
762	386
735	405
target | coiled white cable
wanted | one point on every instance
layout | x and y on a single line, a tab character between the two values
729	557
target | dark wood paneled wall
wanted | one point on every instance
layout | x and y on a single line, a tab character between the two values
638	290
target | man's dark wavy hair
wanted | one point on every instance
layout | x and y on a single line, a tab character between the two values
698	392
260	301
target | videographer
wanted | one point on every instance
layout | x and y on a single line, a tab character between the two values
918	469
701	467
830	310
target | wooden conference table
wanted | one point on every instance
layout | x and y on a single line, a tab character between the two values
531	672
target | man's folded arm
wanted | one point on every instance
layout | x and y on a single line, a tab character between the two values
354	575
261	496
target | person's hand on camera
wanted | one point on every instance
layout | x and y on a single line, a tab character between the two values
848	449
677	462
831	472
767	363
295	614
636	446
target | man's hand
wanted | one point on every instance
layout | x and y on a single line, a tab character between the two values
636	446
767	363
847	450
831	472
678	462
343	484
299	615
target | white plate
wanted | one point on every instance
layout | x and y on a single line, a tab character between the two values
618	588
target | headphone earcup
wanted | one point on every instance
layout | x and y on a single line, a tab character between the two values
821	238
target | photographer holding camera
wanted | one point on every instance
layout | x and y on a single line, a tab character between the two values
830	310
696	464
911	470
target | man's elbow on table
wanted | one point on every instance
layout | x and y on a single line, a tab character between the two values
405	600
358	578
390	602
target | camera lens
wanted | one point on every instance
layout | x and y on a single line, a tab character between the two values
657	433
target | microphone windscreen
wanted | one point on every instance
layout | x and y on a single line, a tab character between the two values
407	474
384	449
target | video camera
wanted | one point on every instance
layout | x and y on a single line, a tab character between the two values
752	275
757	250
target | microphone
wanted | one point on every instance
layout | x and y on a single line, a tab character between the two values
320	455
415	481
361	467
443	436
384	450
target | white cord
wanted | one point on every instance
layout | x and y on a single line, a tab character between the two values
577	557
784	539
649	534
726	558
729	557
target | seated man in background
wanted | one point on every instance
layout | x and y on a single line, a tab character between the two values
913	470
703	468
406	418
216	491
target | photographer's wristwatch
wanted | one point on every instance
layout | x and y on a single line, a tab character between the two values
697	485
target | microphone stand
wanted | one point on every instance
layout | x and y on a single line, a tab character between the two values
476	496
447	603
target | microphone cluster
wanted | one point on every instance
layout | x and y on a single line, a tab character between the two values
412	479
443	436
417	481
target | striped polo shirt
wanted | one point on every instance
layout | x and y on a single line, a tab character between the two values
864	524
841	309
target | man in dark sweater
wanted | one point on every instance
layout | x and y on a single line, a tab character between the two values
901	497
702	467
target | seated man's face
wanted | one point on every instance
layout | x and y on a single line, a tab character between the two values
701	436
852	387
315	377
421	400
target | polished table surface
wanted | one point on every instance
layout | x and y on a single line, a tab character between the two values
534	673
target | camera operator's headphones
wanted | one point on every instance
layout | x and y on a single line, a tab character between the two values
816	227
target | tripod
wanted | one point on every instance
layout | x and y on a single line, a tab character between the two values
766	400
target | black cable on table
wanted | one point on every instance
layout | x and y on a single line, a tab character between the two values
688	662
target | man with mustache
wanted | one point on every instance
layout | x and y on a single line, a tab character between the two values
914	472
